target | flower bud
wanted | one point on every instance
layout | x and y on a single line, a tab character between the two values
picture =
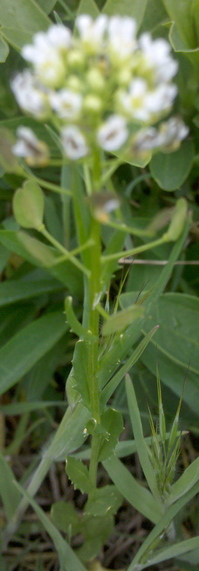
92	104
95	80
178	221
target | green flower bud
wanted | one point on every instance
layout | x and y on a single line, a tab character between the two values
76	59
92	104
95	80
178	221
75	84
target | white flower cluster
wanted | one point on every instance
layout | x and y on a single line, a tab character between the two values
97	83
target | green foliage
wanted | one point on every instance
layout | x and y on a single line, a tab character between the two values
149	313
28	206
171	170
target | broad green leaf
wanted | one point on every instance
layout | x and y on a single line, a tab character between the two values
180	13
4	50
112	421
26	18
17	290
138	496
88	7
142	448
10	496
64	515
78	474
171	170
103	501
26	347
180	46
155	14
28	205
176	342
120	320
46	5
133	9
67	557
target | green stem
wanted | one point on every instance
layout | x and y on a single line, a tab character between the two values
63	250
133	251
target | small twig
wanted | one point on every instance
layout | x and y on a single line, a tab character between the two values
156	262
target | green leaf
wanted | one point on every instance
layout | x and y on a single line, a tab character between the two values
138	496
120	320
102	501
178	220
112	421
64	515
160	527
8	161
177	344
46	5
10	496
142	448
26	18
22	407
189	477
88	7
28	205
4	50
39	254
80	373
180	13
78	474
16	290
155	14
134	9
114	382
67	557
171	170
26	347
176	550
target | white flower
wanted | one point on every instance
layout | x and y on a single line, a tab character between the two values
73	142
157	57
59	36
91	31
46	58
113	133
121	38
66	103
30	147
144	105
161	98
169	135
29	95
133	102
172	131
147	139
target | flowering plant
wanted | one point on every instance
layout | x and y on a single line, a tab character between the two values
100	87
106	98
